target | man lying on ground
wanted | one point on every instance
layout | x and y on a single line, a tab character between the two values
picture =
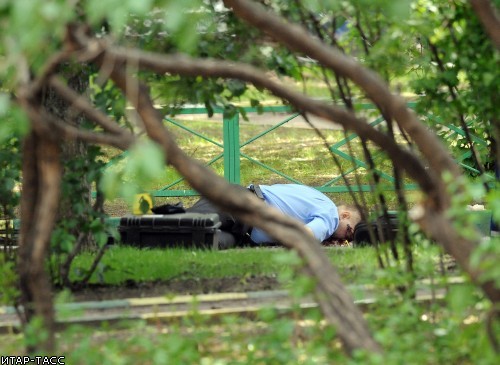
320	215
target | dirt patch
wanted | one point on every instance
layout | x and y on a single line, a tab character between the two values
175	287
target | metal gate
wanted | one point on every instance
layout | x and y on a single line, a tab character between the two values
232	154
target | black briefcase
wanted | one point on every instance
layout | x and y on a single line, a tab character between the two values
383	229
171	230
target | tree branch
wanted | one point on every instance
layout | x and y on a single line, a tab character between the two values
81	103
48	70
339	308
47	124
28	203
392	106
488	16
441	229
45	173
187	66
353	330
453	93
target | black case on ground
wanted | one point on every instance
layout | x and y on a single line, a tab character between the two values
383	229
171	230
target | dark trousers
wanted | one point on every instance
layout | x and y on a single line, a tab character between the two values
233	232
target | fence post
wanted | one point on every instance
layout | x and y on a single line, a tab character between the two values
232	148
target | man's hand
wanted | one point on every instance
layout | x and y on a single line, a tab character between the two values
310	231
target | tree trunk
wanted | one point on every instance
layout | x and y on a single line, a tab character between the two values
39	205
80	188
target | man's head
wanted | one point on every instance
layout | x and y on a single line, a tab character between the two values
349	216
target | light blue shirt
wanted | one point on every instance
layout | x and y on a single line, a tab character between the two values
304	203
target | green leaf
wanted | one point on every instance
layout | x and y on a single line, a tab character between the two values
317	6
488	78
230	111
144	205
118	18
110	183
96	10
141	7
13	123
4	104
96	225
101	238
399	9
493	199
146	162
460	297
237	87
50	10
182	20
128	191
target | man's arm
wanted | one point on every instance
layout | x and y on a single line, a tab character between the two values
318	228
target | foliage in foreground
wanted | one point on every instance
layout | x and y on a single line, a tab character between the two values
437	332
32	49
430	333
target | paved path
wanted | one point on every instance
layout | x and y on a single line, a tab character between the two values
271	119
298	122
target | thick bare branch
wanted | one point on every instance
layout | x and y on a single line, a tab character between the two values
47	124
82	104
45	173
29	195
48	70
46	210
488	16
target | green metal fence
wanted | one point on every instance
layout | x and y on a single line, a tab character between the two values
232	154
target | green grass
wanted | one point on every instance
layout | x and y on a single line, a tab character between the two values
121	263
296	152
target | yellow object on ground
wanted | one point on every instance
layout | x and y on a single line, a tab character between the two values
142	204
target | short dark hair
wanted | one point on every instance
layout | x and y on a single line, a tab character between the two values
358	212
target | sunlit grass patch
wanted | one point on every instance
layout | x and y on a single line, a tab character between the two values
124	263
